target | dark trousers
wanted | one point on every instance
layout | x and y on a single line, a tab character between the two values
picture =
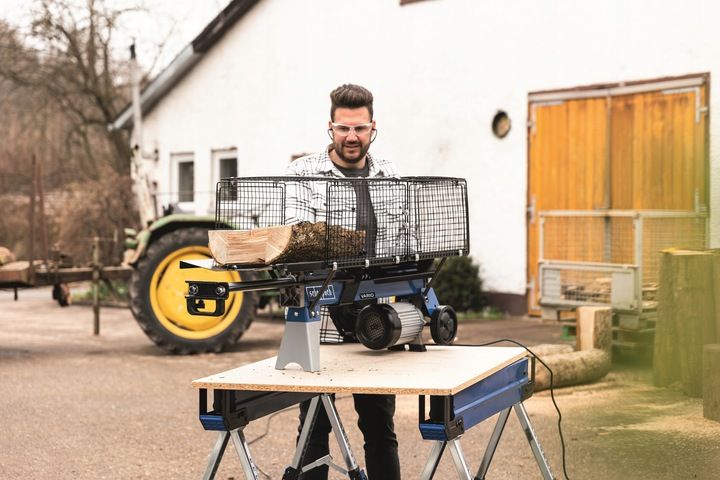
375	420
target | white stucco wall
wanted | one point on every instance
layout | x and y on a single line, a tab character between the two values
439	70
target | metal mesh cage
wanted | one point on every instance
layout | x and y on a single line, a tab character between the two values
369	221
611	257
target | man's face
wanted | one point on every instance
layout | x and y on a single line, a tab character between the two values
351	147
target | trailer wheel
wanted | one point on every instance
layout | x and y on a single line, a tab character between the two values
158	291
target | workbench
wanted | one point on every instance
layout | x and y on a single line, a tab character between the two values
463	386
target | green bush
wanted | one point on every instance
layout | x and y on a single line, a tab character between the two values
458	284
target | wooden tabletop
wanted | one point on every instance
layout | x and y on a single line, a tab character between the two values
352	368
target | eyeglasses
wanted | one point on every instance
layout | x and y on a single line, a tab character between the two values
344	130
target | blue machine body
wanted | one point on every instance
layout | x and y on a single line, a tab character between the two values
368	290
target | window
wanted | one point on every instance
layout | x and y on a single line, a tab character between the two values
182	177
225	165
501	124
228	167
186	181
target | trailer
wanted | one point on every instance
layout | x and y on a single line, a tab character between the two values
54	272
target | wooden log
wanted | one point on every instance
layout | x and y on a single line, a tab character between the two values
594	328
302	242
711	382
547	349
572	368
716	292
666	369
685	319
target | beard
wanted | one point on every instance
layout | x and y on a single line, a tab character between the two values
355	158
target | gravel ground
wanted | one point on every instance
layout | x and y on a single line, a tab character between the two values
115	406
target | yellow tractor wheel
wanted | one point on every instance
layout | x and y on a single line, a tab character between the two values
158	291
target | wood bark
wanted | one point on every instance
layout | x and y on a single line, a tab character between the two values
572	368
665	355
547	349
711	382
303	242
686	319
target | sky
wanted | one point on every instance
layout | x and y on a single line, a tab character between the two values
173	22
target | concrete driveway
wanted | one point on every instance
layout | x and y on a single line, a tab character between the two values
115	406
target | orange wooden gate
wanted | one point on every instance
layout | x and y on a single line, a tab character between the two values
640	145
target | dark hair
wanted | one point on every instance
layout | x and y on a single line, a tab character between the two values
350	96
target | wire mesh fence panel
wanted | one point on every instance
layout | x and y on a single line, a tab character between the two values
596	256
367	220
659	233
586	238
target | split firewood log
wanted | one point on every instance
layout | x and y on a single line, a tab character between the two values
302	242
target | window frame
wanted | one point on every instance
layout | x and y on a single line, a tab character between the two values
175	160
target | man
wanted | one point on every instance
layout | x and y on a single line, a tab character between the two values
352	130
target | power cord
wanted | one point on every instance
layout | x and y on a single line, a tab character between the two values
552	392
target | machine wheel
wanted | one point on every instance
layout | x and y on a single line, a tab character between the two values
443	325
158	289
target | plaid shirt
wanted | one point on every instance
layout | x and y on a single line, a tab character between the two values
308	203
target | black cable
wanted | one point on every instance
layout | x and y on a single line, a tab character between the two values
552	393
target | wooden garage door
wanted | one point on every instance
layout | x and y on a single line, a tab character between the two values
633	146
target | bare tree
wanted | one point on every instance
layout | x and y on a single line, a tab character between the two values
67	57
60	87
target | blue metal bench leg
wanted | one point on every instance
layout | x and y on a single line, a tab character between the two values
216	455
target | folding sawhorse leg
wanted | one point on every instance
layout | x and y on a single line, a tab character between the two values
295	469
529	433
232	412
452	415
242	449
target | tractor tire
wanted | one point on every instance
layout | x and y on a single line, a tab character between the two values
158	289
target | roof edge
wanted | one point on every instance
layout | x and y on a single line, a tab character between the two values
181	65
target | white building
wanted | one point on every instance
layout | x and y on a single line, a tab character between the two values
252	91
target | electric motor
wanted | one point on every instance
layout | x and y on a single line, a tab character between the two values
383	325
